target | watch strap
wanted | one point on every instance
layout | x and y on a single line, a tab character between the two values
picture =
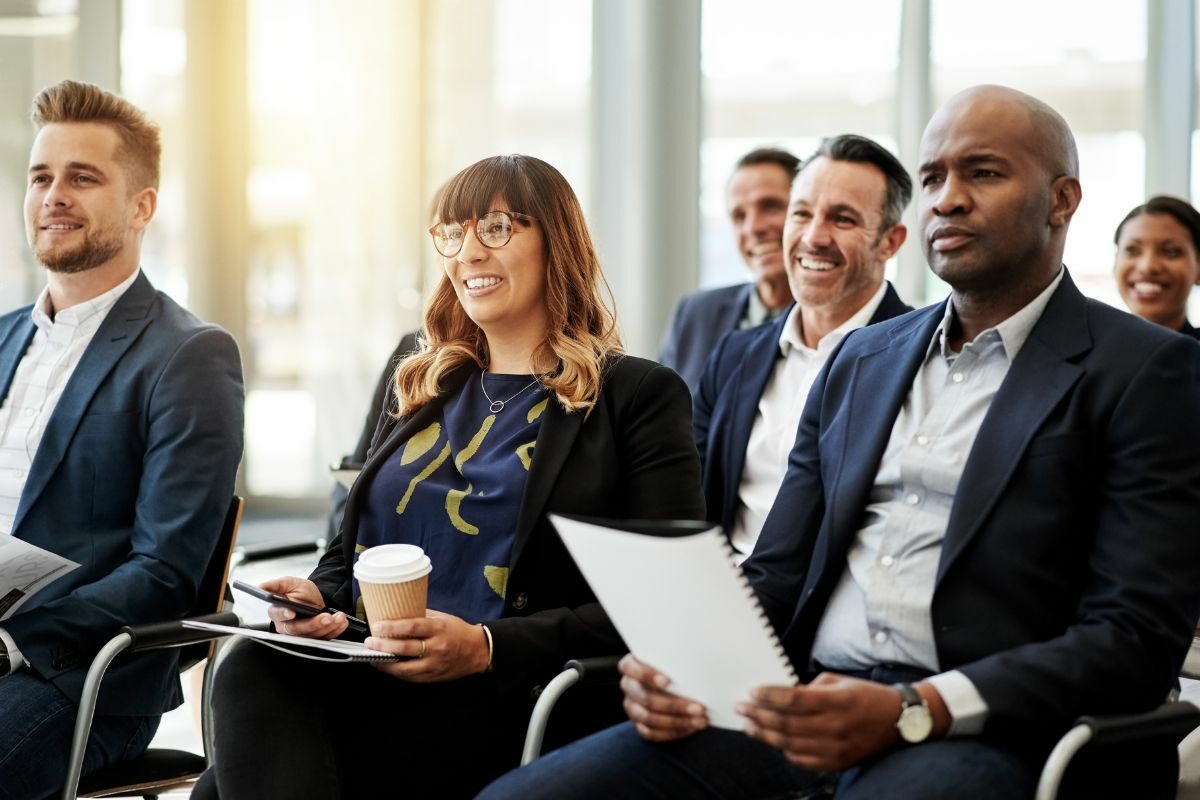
909	695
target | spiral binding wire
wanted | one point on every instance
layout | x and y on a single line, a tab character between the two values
753	596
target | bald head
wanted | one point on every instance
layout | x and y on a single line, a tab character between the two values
999	185
1041	129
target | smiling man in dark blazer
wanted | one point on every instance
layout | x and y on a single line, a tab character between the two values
987	527
120	435
843	225
757	197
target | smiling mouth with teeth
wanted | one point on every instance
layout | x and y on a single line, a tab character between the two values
1146	287
762	248
481	283
817	265
61	227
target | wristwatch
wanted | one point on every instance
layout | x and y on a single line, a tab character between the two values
916	721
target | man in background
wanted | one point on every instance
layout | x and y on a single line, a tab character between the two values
757	197
120	436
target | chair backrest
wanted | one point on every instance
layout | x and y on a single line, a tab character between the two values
210	599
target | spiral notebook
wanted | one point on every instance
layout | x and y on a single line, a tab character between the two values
684	607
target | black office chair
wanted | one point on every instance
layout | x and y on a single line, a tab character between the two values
157	770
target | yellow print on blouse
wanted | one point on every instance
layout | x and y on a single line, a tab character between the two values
497	578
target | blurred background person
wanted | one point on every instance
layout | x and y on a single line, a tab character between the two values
520	401
757	196
1157	264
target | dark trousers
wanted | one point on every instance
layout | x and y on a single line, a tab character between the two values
36	722
290	727
719	764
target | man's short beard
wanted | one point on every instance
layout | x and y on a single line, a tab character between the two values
89	255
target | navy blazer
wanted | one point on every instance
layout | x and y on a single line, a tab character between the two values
697	324
1069	576
132	480
725	405
631	458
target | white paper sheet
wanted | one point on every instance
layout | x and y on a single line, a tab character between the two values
24	571
683	607
351	651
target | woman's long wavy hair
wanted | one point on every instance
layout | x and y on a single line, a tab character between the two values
582	333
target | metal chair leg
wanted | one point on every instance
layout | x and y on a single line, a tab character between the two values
87	708
541	711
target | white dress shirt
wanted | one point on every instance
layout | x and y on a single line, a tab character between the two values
880	611
778	417
55	351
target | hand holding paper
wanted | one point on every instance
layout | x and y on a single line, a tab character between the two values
658	714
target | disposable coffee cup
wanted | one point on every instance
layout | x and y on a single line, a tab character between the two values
394	581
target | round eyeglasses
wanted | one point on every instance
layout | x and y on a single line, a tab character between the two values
493	229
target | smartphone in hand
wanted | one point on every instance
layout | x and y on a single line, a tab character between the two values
301	609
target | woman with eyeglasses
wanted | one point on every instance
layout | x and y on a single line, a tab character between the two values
519	402
1158	261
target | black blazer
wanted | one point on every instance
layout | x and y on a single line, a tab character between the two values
725	404
632	457
1069	575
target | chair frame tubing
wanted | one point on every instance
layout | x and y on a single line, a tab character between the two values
87	709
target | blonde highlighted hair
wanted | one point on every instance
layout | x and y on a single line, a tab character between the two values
582	333
74	101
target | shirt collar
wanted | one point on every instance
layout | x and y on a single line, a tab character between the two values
791	336
756	310
80	312
1012	332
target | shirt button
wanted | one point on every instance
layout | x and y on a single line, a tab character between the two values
913	499
29	412
887	561
880	637
922	440
957	377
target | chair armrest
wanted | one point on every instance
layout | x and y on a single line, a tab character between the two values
597	671
1173	721
160	635
1168	724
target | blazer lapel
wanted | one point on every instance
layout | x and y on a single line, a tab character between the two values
881	383
122	326
759	360
555	438
16	342
1037	380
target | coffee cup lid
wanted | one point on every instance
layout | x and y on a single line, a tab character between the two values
392	563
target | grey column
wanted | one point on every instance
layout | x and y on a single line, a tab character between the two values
646	162
1170	96
98	43
914	105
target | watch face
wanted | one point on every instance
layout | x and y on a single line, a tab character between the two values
915	724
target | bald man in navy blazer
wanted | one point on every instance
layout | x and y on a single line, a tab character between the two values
120	436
